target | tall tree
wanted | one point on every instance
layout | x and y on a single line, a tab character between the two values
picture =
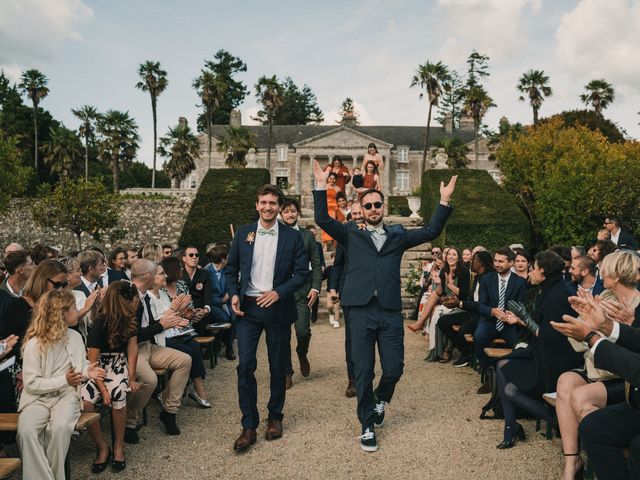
235	143
599	94
14	176
477	103
211	89
88	116
62	152
477	69
270	94
154	80
225	67
299	106
348	114
118	142
456	150
433	78
535	84
33	83
181	148
452	100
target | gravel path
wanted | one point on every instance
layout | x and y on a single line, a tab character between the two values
431	431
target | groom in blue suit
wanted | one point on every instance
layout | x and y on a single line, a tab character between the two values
267	264
372	292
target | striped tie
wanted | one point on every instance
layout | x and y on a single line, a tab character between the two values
501	295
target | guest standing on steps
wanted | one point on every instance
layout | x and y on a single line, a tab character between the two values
372	293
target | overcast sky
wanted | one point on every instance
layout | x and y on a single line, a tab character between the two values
366	50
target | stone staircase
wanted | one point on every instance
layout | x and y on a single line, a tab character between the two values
411	257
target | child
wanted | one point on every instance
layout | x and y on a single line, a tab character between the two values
358	180
53	367
113	342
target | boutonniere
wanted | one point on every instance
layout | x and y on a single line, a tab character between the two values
250	238
362	226
199	286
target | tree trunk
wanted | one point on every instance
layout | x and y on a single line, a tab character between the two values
535	116
35	135
155	141
86	158
269	146
116	177
426	141
209	135
476	125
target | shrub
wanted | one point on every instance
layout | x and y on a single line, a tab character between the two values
399	206
225	197
484	214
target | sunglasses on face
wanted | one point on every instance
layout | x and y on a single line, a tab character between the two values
58	285
193	255
369	206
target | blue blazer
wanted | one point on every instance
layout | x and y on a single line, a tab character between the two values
290	274
489	292
370	271
597	288
218	291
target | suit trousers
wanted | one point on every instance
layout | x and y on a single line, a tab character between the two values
44	433
347	345
152	356
468	322
486	333
278	336
303	332
603	435
370	325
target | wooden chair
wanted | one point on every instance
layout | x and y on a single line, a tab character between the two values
208	342
214	329
8	466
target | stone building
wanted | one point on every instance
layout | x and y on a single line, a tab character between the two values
294	147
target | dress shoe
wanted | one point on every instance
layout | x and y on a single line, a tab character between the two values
229	355
100	467
274	429
288	383
484	388
245	440
131	436
118	465
305	368
169	421
198	399
510	443
351	390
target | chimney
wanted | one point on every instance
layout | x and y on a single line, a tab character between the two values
235	119
182	122
447	123
466	124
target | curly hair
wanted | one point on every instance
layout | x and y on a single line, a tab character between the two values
117	312
48	325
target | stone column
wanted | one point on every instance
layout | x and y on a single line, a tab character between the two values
354	161
298	175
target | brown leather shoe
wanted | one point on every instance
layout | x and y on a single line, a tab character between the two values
288	383
305	368
274	429
245	440
351	389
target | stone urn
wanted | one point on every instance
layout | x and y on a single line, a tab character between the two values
414	205
252	158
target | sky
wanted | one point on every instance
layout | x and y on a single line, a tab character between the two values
367	50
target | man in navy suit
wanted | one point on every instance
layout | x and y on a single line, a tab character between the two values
371	291
266	266
496	289
220	303
618	236
584	276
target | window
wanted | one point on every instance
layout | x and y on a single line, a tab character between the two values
282	178
403	154
402	181
282	152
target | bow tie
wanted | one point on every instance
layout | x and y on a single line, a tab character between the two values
378	230
262	231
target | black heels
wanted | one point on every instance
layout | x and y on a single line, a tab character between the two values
118	465
579	472
519	435
100	467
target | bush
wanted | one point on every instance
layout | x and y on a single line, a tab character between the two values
225	197
399	206
484	214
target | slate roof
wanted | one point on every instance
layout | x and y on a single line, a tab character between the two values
396	135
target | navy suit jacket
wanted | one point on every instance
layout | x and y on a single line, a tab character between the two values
489	292
370	271
626	240
597	288
115	275
218	291
290	274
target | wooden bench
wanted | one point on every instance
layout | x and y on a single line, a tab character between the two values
8	466
497	352
208	342
214	329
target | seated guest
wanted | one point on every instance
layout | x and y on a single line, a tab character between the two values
600	250
618	236
565	254
467	314
583	276
42	252
522	263
198	281
496	289
578	251
432	285
525	374
603	234
117	264
167	250
583	391
152	251
220	303
92	266
466	257
151	356
132	256
83	304
113	345
54	367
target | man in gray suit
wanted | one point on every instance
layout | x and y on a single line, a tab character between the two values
372	293
308	294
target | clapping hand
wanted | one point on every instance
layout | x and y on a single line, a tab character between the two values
320	176
592	311
572	327
180	302
9	343
446	191
618	312
511	318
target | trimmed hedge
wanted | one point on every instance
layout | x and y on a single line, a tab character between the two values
484	214
226	196
399	206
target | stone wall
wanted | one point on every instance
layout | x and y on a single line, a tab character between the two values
141	221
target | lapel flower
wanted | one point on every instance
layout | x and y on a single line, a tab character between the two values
362	226
251	238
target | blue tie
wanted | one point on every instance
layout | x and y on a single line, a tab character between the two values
501	297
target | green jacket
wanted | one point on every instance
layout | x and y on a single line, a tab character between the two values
315	279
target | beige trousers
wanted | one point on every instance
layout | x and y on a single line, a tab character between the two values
152	356
44	433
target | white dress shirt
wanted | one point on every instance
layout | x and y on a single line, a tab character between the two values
263	264
615	237
90	285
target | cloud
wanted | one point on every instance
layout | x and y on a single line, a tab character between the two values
33	31
600	38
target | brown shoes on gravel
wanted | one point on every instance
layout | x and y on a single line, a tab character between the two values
245	440
274	429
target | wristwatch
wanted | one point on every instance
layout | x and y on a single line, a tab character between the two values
589	336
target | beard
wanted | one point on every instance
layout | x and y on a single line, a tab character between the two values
288	223
374	223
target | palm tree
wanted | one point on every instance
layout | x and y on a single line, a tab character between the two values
62	152
536	85
34	84
433	77
182	148
87	115
599	94
476	104
235	143
270	94
118	142
154	81
456	150
211	89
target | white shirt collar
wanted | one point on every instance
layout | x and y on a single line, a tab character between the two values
90	285
506	279
12	291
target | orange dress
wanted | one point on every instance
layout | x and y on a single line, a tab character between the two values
332	206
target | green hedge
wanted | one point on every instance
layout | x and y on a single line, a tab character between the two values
399	206
484	214
226	196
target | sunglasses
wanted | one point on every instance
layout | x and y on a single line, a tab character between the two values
369	206
194	255
58	285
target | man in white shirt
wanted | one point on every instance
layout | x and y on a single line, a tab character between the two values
617	235
92	266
